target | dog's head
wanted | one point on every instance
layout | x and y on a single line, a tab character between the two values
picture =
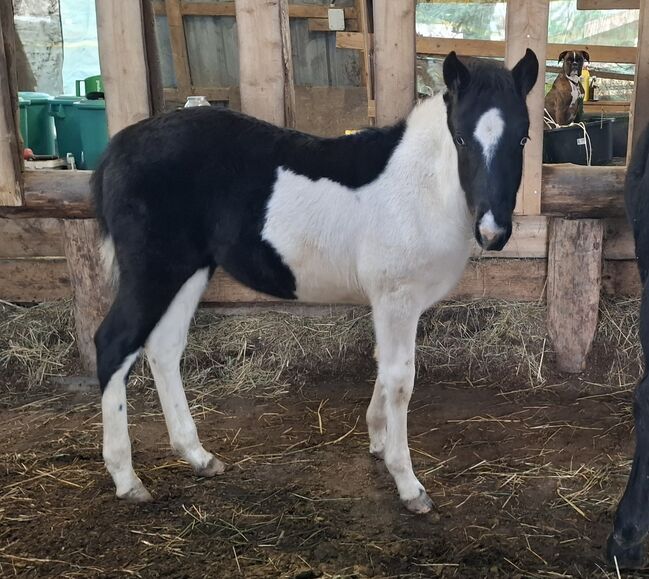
573	61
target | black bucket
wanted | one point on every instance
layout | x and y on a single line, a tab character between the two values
568	144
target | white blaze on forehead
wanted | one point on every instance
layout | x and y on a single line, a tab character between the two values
488	132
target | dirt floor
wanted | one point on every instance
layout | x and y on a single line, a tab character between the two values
524	465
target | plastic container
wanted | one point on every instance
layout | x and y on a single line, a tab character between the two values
40	126
93	87
620	130
68	127
94	130
23	103
568	145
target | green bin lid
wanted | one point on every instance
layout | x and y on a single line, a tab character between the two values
66	98
23	102
36	98
91	104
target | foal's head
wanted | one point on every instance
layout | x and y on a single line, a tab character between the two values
487	117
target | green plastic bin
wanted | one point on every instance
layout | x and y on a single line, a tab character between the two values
68	127
94	130
40	126
23	103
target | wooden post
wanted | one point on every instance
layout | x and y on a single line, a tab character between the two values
574	282
10	142
287	65
639	114
178	47
125	72
92	296
367	54
394	59
263	60
527	27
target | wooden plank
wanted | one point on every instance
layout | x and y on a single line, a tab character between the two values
639	116
228	9
322	25
576	191
368	57
621	278
527	27
287	66
261	60
178	46
605	107
495	48
30	238
394	59
607	4
123	62
92	296
64	194
10	144
34	280
618	240
574	284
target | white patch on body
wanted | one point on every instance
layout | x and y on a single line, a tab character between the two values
409	228
488	227
164	348
575	93
488	131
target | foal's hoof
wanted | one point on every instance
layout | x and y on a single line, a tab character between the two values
137	494
212	468
633	557
420	505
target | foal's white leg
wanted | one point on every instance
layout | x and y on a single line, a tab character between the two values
164	349
395	323
117	444
377	420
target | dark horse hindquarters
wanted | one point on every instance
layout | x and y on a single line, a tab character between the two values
626	543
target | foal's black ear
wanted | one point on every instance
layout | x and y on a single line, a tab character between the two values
526	71
562	56
585	55
456	74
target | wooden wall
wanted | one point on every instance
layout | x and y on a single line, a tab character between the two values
33	269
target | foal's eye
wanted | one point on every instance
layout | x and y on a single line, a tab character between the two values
524	141
460	141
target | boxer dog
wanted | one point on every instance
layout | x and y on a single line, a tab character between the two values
563	100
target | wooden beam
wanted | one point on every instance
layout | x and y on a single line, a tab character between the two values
20	238
92	296
394	59
607	4
261	61
123	62
367	54
435	46
322	25
527	27
574	284
639	116
229	9
10	142
290	119
178	46
576	191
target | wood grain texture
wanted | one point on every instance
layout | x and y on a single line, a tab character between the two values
527	27
394	59
34	280
261	68
92	296
437	46
607	4
20	238
123	61
287	66
639	116
576	191
621	278
574	284
10	143
178	46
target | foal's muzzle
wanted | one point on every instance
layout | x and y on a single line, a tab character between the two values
489	234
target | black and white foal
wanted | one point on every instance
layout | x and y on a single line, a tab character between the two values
384	217
626	543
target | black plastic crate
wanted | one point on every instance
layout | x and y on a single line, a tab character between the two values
568	144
